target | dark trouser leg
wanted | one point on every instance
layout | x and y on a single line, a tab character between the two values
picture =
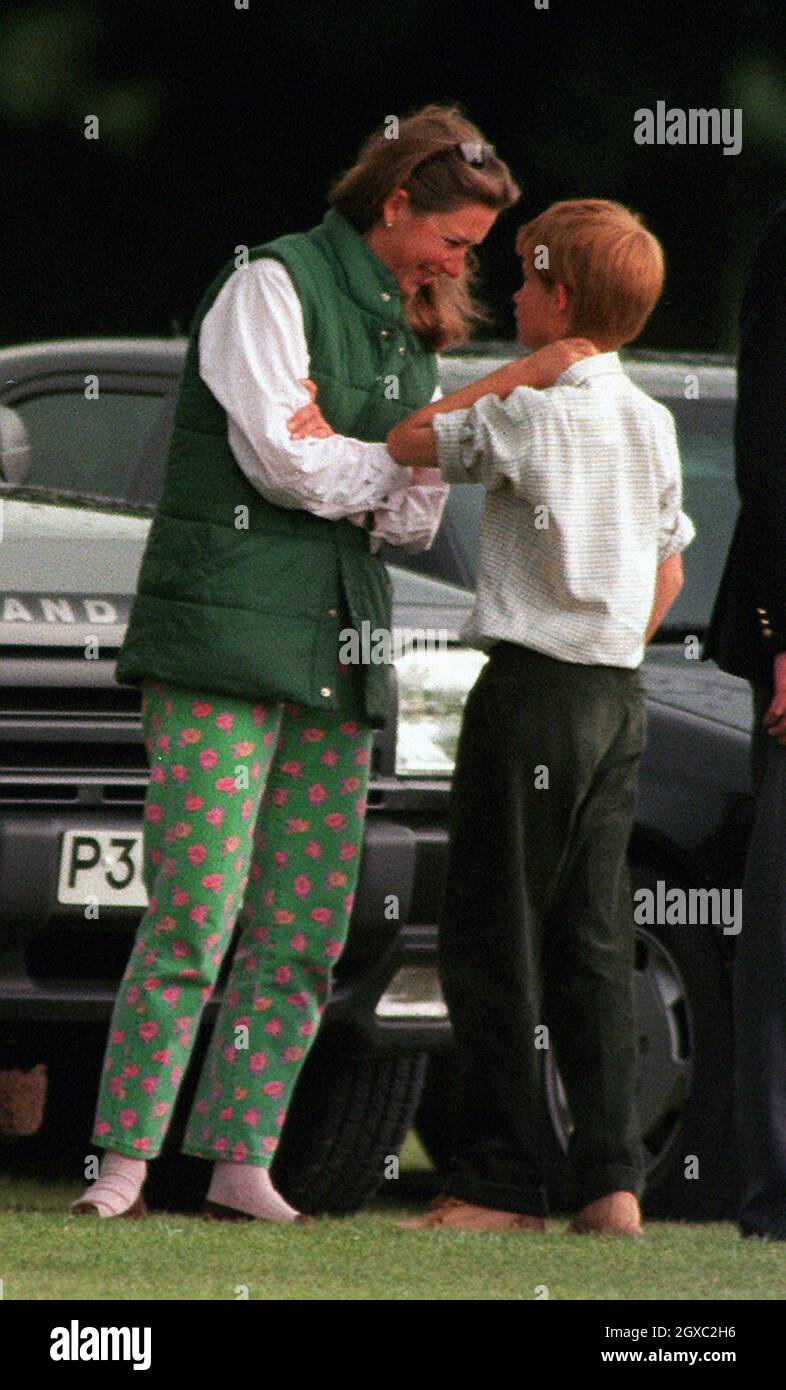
515	844
760	997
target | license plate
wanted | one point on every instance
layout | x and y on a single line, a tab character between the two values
102	866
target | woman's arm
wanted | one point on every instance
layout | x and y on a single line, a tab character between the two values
412	441
253	356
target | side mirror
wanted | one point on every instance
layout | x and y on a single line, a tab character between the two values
16	455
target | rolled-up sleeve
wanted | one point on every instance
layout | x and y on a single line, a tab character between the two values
491	442
675	528
253	356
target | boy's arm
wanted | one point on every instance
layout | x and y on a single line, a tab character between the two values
412	441
668	583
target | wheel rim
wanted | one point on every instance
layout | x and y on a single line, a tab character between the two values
665	1053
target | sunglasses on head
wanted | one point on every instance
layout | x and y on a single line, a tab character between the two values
474	152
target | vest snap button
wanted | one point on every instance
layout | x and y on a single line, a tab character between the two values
402	351
385	295
332	612
384	332
325	691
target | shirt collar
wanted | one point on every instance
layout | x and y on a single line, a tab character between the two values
600	364
366	278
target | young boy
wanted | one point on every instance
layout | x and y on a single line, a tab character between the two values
579	561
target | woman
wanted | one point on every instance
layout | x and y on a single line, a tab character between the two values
261	550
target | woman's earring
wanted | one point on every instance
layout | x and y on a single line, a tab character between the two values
388	224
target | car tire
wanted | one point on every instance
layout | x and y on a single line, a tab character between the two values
686	1061
349	1115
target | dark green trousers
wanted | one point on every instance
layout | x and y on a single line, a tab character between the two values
536	929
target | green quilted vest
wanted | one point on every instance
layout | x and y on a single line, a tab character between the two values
241	597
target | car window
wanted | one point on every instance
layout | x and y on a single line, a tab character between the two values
88	446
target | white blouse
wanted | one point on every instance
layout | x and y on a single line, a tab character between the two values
253	356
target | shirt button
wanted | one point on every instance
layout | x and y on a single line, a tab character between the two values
384	332
325	691
402	351
332	612
385	295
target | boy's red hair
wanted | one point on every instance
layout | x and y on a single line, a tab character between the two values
610	264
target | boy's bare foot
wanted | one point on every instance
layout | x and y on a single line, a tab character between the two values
615	1214
452	1214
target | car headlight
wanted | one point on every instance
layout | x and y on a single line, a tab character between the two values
432	689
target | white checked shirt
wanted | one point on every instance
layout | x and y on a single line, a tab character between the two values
583	502
253	356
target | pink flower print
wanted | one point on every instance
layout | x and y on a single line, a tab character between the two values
240	1151
163	742
192	801
200	709
299	1000
255	769
168	868
179	951
224	721
336	820
182	829
247	807
321	914
148	1030
226	784
213	882
243	748
215	816
257	1062
155	857
117	1035
261	1002
350	729
312	735
333	948
350	784
130	1069
151	983
229	1054
160	1108
148	1084
198	913
298	942
258	715
274	1088
274	1027
171	995
230	844
148	958
154	812
175	1075
267	738
329	757
116	1087
281	1115
201	1107
166	923
306	1028
132	995
268	897
302	885
283	917
251	1117
163	1055
208	758
349	902
297	825
316	794
158	775
128	1118
179	897
280	857
196	854
283	975
221	1144
293	1054
279	796
336	879
189	736
314	849
292	769
226	1113
347	851
102	1127
269	1144
360	807
361	756
179	772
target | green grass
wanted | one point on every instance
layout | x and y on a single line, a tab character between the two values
47	1253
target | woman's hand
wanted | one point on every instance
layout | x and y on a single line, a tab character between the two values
309	422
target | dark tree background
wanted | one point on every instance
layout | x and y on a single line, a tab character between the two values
222	126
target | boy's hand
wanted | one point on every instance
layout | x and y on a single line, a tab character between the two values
549	362
309	422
